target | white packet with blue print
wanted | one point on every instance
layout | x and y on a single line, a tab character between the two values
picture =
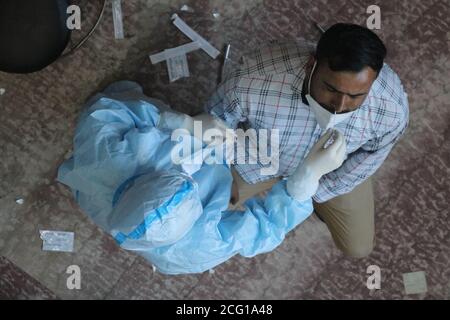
57	240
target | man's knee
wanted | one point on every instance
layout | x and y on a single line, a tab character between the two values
357	251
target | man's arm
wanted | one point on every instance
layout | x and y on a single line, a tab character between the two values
359	165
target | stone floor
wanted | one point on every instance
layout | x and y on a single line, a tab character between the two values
38	113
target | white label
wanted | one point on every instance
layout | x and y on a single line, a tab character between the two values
415	282
57	240
177	67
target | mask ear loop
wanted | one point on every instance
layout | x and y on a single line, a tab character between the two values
332	123
310	77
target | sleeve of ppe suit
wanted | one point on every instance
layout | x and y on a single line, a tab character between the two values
359	165
268	220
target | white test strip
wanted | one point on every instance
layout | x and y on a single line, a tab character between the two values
167	54
117	19
194	36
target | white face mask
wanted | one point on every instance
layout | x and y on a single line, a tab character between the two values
324	118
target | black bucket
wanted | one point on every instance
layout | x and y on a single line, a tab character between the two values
33	34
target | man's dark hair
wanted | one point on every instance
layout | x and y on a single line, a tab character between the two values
349	47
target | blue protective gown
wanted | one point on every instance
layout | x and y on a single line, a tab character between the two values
122	176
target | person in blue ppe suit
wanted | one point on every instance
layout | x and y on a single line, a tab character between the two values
123	176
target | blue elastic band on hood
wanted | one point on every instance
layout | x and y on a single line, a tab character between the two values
157	213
